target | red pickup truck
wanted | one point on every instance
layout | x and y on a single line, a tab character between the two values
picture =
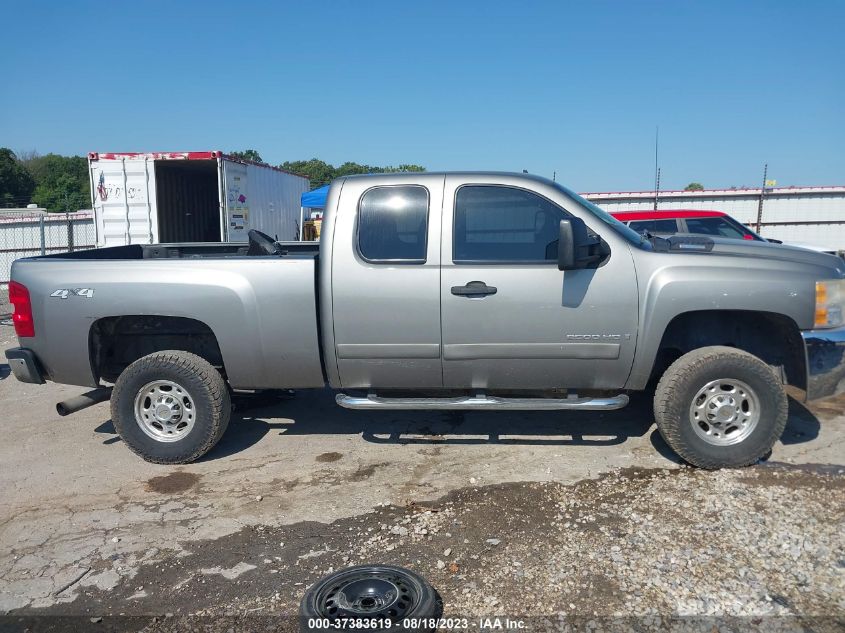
672	221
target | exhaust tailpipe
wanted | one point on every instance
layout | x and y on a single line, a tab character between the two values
72	405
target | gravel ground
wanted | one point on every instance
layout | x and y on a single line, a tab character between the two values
764	546
577	522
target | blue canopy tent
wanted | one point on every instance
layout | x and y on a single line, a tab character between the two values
315	199
312	200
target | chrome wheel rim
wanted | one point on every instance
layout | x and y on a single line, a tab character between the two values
165	410
724	412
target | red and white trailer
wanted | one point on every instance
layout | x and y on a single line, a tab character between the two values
161	197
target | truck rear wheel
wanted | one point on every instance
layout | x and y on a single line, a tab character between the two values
170	407
720	407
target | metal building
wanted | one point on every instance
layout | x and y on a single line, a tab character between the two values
31	232
798	215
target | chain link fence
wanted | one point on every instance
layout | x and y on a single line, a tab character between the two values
25	234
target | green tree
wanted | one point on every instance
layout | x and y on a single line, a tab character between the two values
16	183
350	169
61	182
318	171
694	186
248	154
322	173
401	168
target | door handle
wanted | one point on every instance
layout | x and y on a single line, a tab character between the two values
474	289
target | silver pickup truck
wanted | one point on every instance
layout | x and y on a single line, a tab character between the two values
475	291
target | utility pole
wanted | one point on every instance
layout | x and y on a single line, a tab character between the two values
656	168
762	195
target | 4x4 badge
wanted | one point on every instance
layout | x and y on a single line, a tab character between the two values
64	293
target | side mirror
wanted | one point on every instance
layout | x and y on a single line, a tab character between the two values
576	247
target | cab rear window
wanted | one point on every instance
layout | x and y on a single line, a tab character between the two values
393	224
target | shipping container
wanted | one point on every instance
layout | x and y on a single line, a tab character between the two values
159	197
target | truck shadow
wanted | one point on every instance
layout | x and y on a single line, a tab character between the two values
315	413
5	370
802	425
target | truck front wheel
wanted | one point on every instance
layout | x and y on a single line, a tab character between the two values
170	407
720	407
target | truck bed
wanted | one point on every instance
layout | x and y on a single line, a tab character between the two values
262	310
198	250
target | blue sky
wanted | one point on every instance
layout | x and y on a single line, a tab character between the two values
575	88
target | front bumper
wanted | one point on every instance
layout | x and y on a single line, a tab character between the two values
24	365
825	362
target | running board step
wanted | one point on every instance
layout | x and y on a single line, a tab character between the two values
484	403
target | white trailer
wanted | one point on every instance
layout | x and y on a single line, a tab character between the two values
162	197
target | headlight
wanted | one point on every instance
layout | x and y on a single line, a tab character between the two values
830	297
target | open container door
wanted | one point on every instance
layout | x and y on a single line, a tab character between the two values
236	201
123	195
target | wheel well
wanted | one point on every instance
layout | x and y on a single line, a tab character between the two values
117	342
774	338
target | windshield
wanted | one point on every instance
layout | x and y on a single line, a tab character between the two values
628	233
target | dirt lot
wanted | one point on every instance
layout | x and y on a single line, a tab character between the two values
544	516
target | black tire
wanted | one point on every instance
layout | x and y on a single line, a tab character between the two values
679	387
320	601
210	412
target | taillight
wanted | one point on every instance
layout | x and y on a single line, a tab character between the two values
748	237
22	316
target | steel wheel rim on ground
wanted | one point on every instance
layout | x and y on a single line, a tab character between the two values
724	412
370	593
165	410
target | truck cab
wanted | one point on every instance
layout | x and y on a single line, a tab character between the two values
452	281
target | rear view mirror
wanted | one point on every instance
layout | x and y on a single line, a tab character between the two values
576	247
